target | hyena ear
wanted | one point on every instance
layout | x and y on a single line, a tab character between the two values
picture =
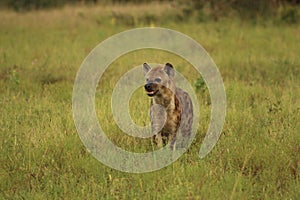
146	68
169	70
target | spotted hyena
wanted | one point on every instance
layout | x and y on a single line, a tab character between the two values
171	109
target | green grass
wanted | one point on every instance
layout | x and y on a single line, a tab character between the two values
257	156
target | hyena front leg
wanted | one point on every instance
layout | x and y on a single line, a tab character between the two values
158	140
173	141
158	119
161	139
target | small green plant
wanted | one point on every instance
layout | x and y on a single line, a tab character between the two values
200	85
290	15
13	75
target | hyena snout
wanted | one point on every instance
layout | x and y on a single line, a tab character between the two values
151	89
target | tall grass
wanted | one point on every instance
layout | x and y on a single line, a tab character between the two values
257	156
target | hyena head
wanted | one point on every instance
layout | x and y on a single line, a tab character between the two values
159	80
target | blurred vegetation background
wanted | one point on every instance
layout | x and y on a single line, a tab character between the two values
255	44
202	10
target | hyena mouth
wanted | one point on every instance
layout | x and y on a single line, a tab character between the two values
151	93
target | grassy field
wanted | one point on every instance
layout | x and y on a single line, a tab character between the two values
42	157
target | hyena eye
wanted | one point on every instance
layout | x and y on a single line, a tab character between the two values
158	80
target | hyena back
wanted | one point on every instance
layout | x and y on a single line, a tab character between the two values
171	109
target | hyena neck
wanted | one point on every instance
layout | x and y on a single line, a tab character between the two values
167	103
168	100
